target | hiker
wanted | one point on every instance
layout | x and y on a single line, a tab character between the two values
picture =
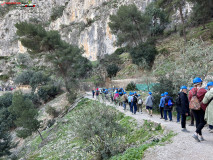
93	93
130	98
97	92
178	107
168	106
125	100
196	96
116	97
139	103
184	107
161	105
149	103
134	101
120	100
191	114
209	110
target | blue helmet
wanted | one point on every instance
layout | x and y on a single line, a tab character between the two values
150	93
183	87
191	88
209	84
197	80
139	95
124	92
206	88
162	95
135	92
166	93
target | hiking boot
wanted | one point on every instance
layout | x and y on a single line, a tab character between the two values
191	125
151	115
161	118
184	130
196	138
171	120
165	120
202	139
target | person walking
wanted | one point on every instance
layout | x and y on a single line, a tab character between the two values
196	96
168	106
178	107
161	105
184	107
97	92
191	114
139	103
125	100
93	93
135	100
130	101
149	103
208	99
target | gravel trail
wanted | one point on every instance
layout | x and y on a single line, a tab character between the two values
182	147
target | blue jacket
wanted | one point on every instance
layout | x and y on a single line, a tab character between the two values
162	102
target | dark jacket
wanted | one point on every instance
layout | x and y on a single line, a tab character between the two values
184	103
178	103
168	108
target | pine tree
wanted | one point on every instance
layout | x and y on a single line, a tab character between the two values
5	144
202	11
67	59
129	25
25	114
171	6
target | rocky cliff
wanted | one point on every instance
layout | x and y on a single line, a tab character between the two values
84	23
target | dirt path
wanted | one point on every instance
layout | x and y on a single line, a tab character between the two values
183	146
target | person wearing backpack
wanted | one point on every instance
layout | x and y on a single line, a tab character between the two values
191	114
130	98
135	100
93	93
184	107
196	96
149	103
168	106
208	99
161	105
139	103
125	100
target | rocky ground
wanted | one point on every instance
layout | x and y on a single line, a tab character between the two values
183	146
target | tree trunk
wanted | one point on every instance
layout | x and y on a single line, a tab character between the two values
183	23
40	135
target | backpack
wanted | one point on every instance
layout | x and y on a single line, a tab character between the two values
170	103
194	104
140	101
134	99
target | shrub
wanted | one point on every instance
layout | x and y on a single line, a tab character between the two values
57	12
24	78
50	122
34	98
112	70
4	77
97	125
131	87
144	55
71	97
51	111
23	59
119	51
48	92
6	100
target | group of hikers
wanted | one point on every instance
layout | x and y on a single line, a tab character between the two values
195	102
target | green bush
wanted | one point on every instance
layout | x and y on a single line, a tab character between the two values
98	126
57	12
34	98
71	97
24	78
4	77
50	122
51	111
144	55
131	87
48	92
112	70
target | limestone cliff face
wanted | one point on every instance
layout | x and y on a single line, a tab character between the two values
84	23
